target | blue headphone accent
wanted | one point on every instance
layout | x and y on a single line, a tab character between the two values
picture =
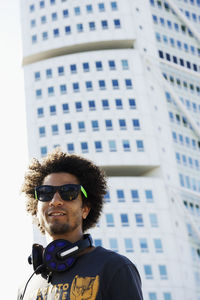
58	256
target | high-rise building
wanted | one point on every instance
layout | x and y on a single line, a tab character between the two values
118	82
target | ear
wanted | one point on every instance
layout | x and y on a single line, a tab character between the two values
86	210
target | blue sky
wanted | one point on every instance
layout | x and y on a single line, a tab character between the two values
15	225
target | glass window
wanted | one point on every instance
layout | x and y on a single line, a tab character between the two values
37	76
99	66
126	145
52	110
95	125
122	124
139	220
88	85
135	195
44	35
128	245
43	19
148	272
98	146
92	26
101	7
136	124
117	23
49	73
92	105
110	220
107	197
163	271
108	124
77	10
81	126
149	195
34	39
152	296
67	29
102	84
167	296
54	16
111	64
132	103
65	107
61	71
43	151
105	104
38	93
143	245
115	84
75	86
56	32
118	103
54	129
65	13
42	131
153	220
70	148
50	91
73	69
120	196
78	106
86	67
158	245
79	27
128	83
114	5
113	244
140	145
40	112
89	8
84	147
124	220
97	242
33	23
112	146
31	7
104	24
63	89
68	127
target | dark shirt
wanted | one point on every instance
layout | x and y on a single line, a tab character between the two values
98	275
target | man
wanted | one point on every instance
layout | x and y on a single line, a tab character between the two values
65	195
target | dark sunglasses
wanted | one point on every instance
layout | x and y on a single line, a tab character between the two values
67	192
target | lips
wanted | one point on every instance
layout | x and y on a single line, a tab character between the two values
56	213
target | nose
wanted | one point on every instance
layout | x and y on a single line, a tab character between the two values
56	200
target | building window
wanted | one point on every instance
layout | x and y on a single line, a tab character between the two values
118	103
68	127
126	145
124	220
84	147
34	39
33	23
128	245
65	108
37	76
98	146
139	220
70	148
110	220
101	7
91	104
49	73
77	10
97	242
40	112
61	71
115	84
112	146
75	86
99	66
104	24
50	91
43	151
52	110
102	84
124	63
120	196
86	67
67	30
152	296
89	9
113	244
122	124
140	145
132	103
31	7
135	195
65	13
149	195
167	296
143	245
42	131
79	27
117	23
43	19
158	245
88	85
81	126
52	2
92	26
148	272
105	104
153	220
111	64
73	69
136	124
113	5
63	89
128	83
56	32
38	93
108	124
162	271
107	197
54	129
44	35
78	106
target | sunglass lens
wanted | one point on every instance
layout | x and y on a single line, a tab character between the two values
45	193
69	192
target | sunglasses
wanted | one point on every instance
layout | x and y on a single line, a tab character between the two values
67	192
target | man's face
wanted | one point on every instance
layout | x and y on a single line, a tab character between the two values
62	219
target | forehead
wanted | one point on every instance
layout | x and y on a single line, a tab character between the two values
60	179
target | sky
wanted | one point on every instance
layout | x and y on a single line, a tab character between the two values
15	224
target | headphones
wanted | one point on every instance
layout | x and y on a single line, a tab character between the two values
58	256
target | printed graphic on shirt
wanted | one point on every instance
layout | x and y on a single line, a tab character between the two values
84	288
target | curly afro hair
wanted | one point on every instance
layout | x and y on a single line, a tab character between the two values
91	177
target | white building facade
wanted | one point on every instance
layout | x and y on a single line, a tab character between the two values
118	82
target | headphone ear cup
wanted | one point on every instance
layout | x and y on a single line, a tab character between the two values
37	256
